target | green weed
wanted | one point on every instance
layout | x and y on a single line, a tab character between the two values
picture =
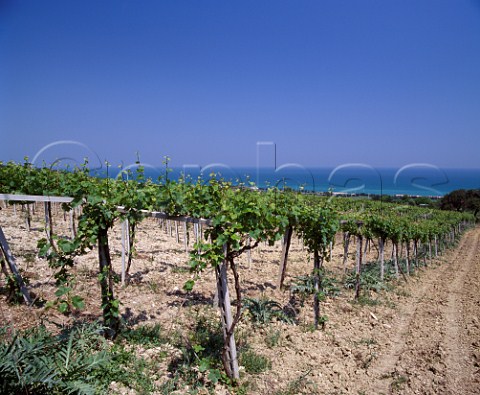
367	301
200	364
298	385
37	362
264	311
273	338
147	335
304	286
398	383
254	363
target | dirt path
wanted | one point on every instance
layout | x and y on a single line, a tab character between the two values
435	338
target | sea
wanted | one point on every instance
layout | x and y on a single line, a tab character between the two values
352	179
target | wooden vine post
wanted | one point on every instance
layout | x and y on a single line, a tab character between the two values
112	320
430	249
381	253
249	252
5	249
317	265
358	265
415	252
396	258
287	238
185	237
231	360
407	256
73	231
125	247
346	242
28	217
48	221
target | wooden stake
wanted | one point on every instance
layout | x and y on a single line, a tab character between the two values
123	237
415	252
358	266
198	240
177	236
249	252
5	248
407	257
185	237
395	259
73	230
28	218
111	321
381	246
346	243
195	231
227	318
317	264
429	249
48	221
287	238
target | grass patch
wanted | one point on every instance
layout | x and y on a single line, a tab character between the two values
146	335
272	338
367	341
364	300
180	269
200	365
153	286
128	370
298	385
403	293
254	363
29	257
398	383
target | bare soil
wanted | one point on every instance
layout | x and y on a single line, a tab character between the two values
420	337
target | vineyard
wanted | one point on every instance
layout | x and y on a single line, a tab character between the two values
208	286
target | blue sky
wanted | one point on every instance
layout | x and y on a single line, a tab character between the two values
385	83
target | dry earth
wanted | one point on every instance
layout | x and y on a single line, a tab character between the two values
421	337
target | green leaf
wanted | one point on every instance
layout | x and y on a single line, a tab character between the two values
188	286
43	246
66	246
214	376
78	302
198	348
62	290
63	307
204	365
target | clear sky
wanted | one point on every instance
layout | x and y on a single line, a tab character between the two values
386	82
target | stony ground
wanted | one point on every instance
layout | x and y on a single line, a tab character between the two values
419	337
